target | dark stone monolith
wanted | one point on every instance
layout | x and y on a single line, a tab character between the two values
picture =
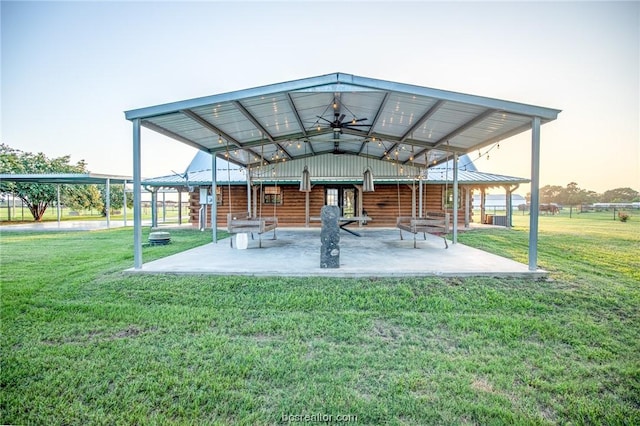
330	237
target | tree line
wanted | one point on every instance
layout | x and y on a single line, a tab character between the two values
38	196
573	195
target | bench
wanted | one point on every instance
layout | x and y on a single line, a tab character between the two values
433	223
244	223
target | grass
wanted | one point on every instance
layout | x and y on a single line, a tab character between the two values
22	215
82	342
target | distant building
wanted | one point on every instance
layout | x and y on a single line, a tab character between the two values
498	201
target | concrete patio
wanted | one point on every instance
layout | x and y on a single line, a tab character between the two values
378	253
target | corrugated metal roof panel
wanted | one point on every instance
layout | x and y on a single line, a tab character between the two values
424	118
441	175
330	166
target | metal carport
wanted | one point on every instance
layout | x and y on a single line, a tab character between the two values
72	179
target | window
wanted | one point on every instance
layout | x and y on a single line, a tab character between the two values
272	195
332	197
447	201
206	198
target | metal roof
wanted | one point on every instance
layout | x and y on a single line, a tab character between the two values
65	178
440	175
325	169
340	114
232	174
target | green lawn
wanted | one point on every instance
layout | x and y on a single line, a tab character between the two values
22	215
84	343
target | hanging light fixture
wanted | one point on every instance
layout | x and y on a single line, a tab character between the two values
367	177
367	181
305	180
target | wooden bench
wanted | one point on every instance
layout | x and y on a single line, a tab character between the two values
241	222
433	223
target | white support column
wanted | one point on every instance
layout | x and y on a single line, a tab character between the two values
535	194
164	207
455	198
508	206
467	206
137	195
108	201
249	192
124	203
483	203
179	206
413	201
254	190
306	206
214	200
58	204
154	208
420	197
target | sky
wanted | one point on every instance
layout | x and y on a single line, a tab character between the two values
69	70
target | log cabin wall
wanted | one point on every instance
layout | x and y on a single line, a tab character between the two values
381	205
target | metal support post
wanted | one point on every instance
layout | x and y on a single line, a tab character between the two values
455	198
137	202
108	202
124	203
214	201
535	194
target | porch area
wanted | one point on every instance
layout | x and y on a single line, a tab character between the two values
379	252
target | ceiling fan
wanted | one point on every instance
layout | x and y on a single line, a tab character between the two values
338	122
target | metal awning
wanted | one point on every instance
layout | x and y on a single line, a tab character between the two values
65	178
72	179
339	113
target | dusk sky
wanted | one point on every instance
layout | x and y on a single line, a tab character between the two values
71	69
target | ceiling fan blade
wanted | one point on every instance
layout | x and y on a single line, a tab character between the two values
322	118
357	120
357	125
341	118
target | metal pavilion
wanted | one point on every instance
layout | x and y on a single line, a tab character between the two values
73	179
341	114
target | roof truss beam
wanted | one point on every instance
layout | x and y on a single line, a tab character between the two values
204	123
435	107
169	133
469	124
296	114
259	126
456	132
383	103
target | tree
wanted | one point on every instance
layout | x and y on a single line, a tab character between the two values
620	195
550	194
36	196
116	197
83	197
572	194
